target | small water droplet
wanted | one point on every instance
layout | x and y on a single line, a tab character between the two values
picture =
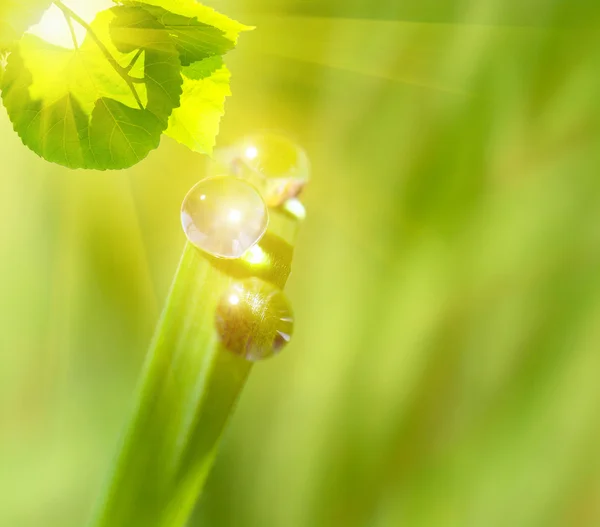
254	319
277	166
224	216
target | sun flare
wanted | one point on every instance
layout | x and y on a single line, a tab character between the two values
54	26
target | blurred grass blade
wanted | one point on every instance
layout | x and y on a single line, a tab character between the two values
189	388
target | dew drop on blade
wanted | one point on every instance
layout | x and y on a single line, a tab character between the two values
224	216
254	319
277	166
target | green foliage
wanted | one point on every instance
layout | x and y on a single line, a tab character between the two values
105	103
195	10
83	112
193	39
17	16
195	123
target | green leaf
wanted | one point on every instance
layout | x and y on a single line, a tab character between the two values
80	108
189	389
193	39
195	123
203	14
17	16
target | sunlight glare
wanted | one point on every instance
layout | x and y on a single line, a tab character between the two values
53	26
256	256
251	152
295	207
234	216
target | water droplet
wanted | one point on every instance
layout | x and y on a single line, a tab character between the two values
254	319
274	164
224	216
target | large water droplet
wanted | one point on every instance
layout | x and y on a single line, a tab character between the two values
254	319
224	216
277	166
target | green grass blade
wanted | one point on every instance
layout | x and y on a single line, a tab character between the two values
188	390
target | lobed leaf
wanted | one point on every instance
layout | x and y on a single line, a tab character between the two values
195	123
74	108
202	13
194	39
145	68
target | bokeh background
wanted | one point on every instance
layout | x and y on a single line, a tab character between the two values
445	370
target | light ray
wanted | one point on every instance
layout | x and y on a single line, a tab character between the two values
421	51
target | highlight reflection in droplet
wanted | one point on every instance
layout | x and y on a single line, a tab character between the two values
256	256
254	319
224	216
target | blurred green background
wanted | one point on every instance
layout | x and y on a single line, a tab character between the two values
446	362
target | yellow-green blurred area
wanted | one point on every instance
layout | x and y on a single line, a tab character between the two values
446	362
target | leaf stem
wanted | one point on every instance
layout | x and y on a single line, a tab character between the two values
71	29
68	12
134	60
